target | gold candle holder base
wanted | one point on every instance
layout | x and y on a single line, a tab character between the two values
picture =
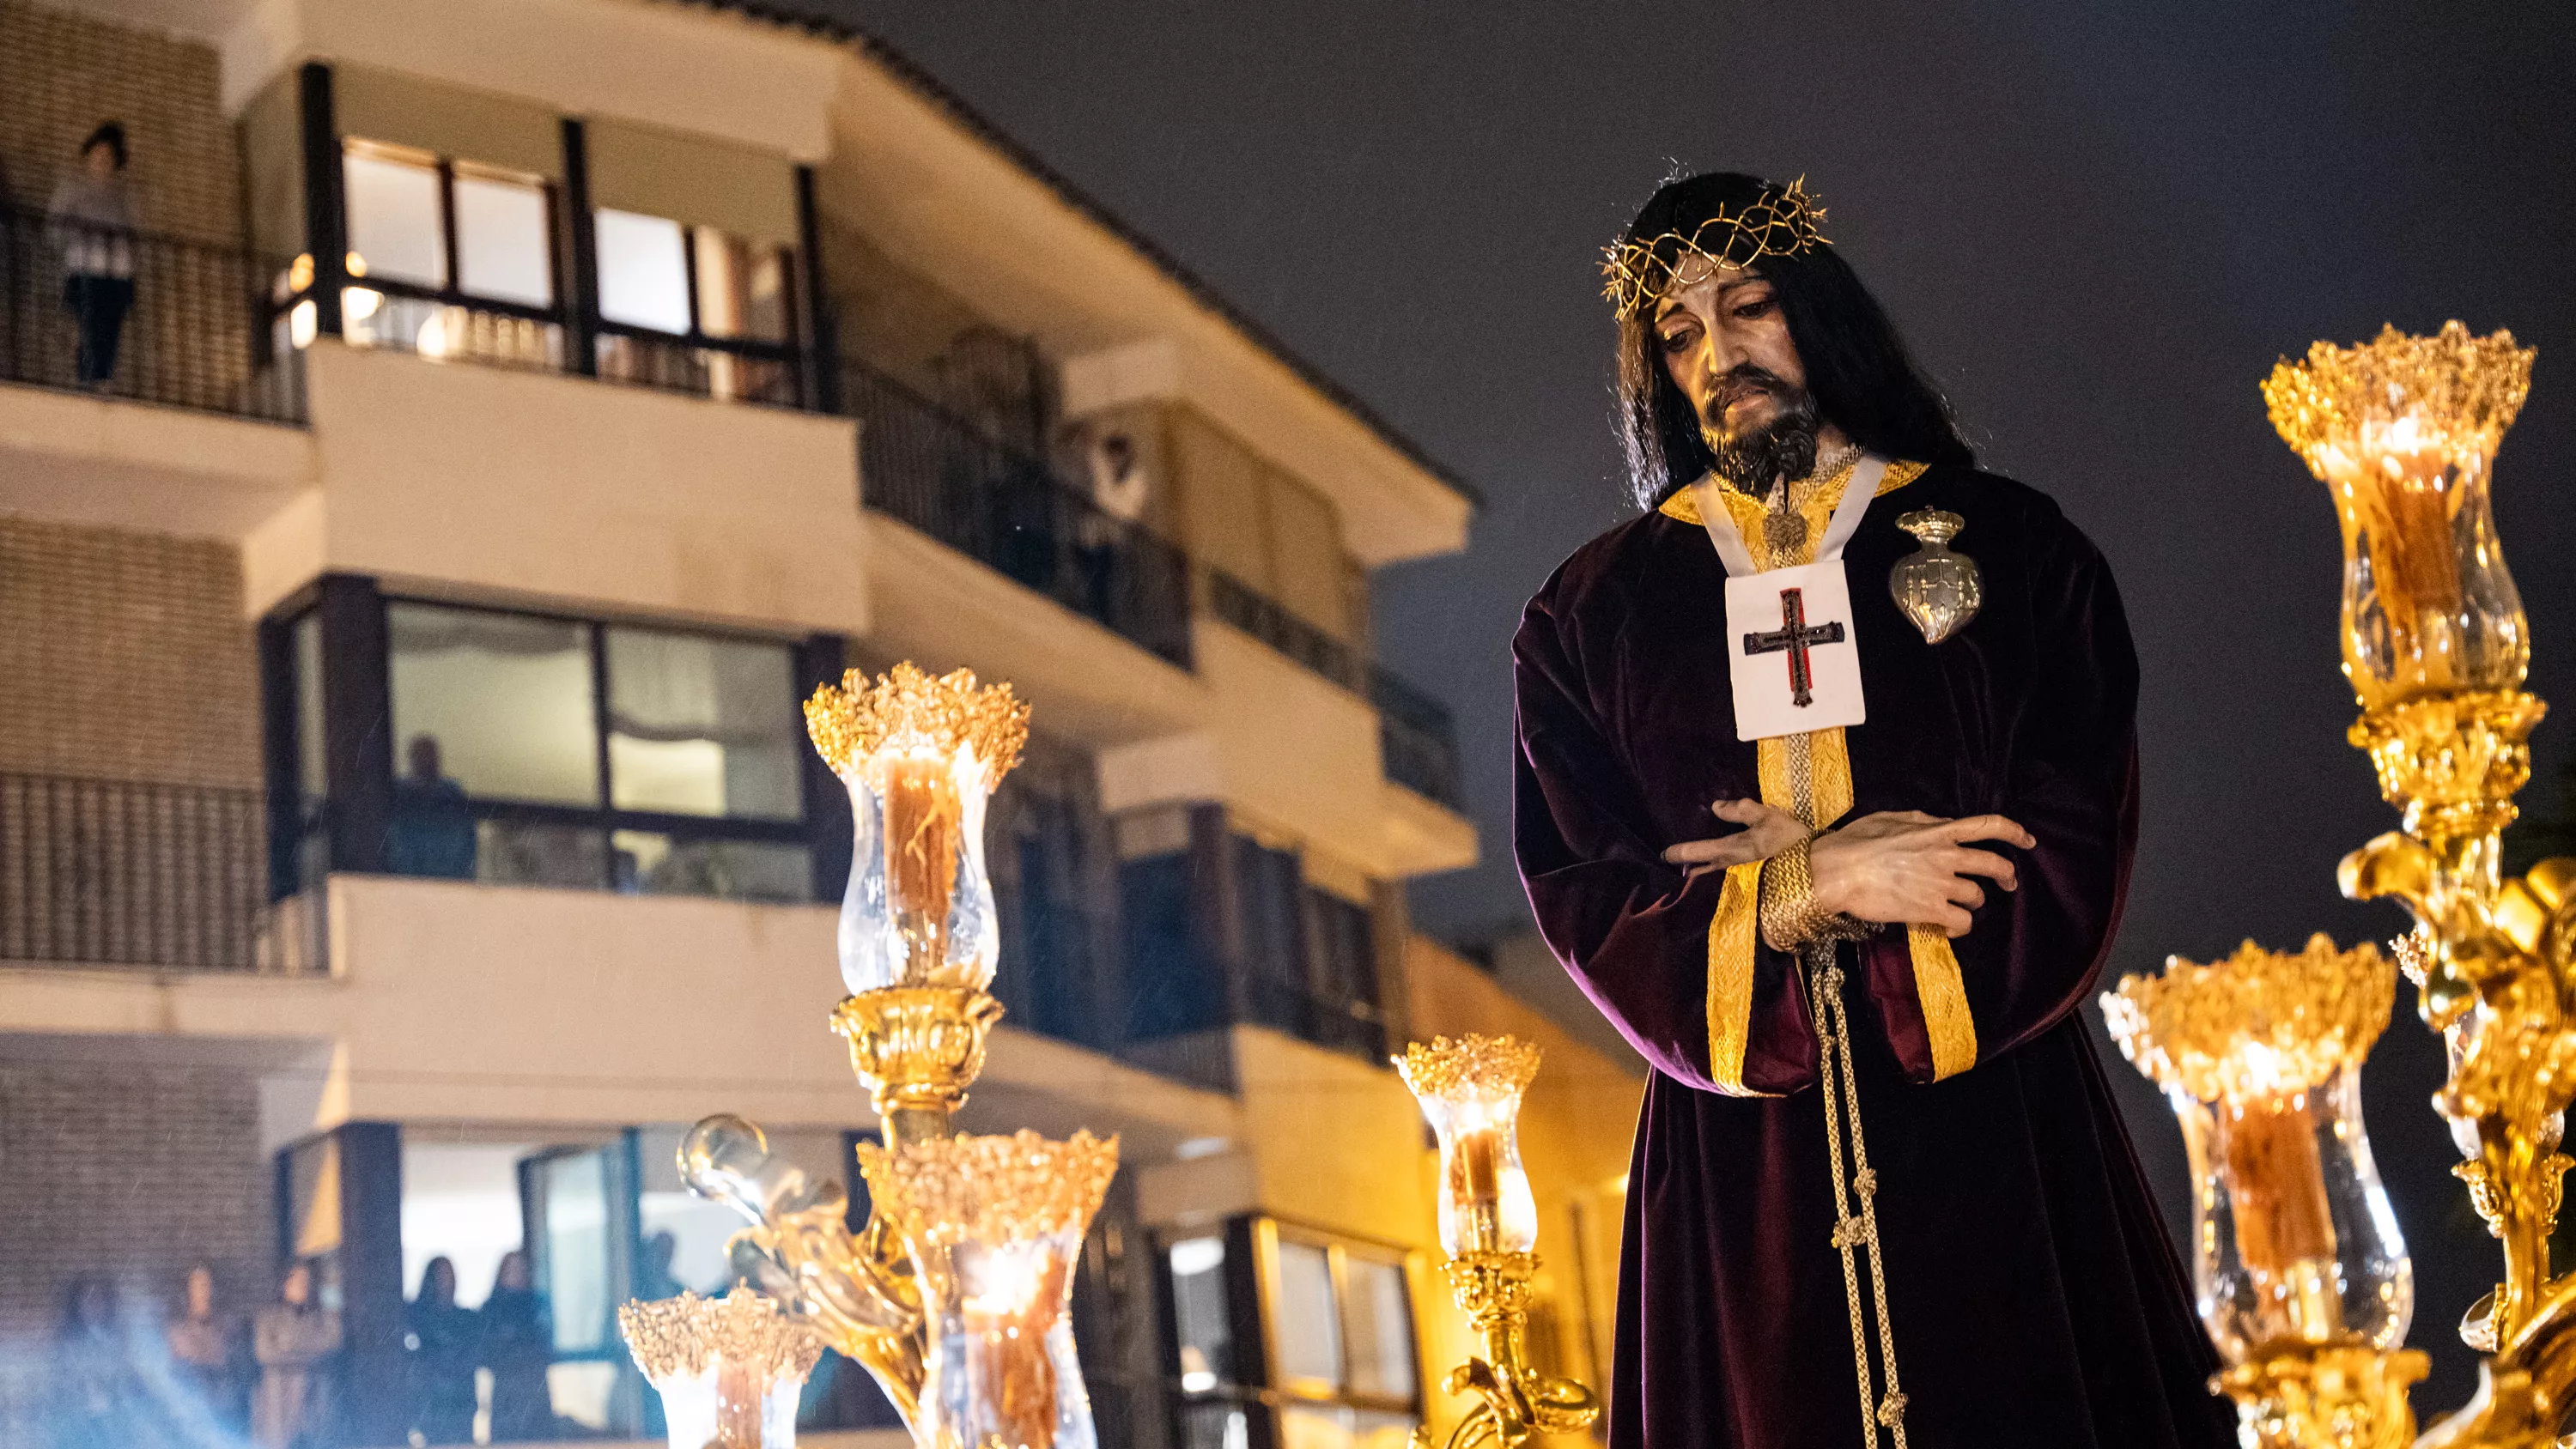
2333	1396
2452	762
1493	1290
917	1049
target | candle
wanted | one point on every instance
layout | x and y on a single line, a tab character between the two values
922	830
1476	1189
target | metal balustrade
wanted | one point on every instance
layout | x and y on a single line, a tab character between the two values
196	331
1000	505
122	873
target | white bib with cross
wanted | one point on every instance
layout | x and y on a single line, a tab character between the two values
1791	653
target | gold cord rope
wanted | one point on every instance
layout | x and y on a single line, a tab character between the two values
1853	1230
1824	976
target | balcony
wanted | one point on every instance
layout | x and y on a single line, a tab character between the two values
194	335
126	874
997	504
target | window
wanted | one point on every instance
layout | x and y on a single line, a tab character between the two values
695	308
537	750
1334	1367
448	258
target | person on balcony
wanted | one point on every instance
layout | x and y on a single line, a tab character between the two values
210	1354
441	1341
97	1397
297	1341
94	218
432	830
518	1345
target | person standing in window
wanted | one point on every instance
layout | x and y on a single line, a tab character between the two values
209	1354
94	221
441	1341
518	1344
295	1340
432	832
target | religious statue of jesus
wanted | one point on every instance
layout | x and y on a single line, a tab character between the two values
1876	1141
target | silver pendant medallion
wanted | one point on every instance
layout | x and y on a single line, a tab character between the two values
1938	591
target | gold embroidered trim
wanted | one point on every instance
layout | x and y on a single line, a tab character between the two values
1730	978
1942	993
1685	508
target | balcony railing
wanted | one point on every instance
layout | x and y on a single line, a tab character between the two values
189	319
933	470
450	326
1415	732
117	873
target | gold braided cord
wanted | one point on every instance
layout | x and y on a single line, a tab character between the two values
1781	223
1853	1230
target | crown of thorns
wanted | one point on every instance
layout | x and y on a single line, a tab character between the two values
1781	223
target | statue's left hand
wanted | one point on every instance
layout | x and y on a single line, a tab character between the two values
1767	831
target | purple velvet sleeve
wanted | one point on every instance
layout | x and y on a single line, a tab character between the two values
1630	928
2072	781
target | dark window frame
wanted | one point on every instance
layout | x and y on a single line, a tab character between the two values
1251	1278
365	775
450	292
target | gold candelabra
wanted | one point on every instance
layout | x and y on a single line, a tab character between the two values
951	1294
2403	430
1470	1091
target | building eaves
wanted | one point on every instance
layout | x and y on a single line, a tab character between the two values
931	89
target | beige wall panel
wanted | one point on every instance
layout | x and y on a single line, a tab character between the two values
1306	556
126	657
1219	483
488	480
62	73
694	179
1338	1140
469	125
272	145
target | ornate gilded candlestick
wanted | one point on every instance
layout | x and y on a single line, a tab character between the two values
994	1224
728	1369
1470	1091
918	945
2303	1280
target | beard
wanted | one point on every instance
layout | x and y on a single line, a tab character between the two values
1780	449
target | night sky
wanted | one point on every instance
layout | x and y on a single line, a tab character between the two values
2098	230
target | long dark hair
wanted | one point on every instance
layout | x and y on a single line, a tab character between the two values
1863	379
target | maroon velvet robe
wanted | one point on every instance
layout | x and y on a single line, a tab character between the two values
2035	1298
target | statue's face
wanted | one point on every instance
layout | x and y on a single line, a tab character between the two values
1726	346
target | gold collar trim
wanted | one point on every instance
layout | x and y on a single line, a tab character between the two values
1684	507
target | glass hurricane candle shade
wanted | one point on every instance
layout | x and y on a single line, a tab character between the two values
995	1225
920	757
2403	430
2293	1239
729	1369
1470	1092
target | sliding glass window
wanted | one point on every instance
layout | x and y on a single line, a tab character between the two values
537	750
449	258
695	308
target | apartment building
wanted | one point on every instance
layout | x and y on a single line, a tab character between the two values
406	828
